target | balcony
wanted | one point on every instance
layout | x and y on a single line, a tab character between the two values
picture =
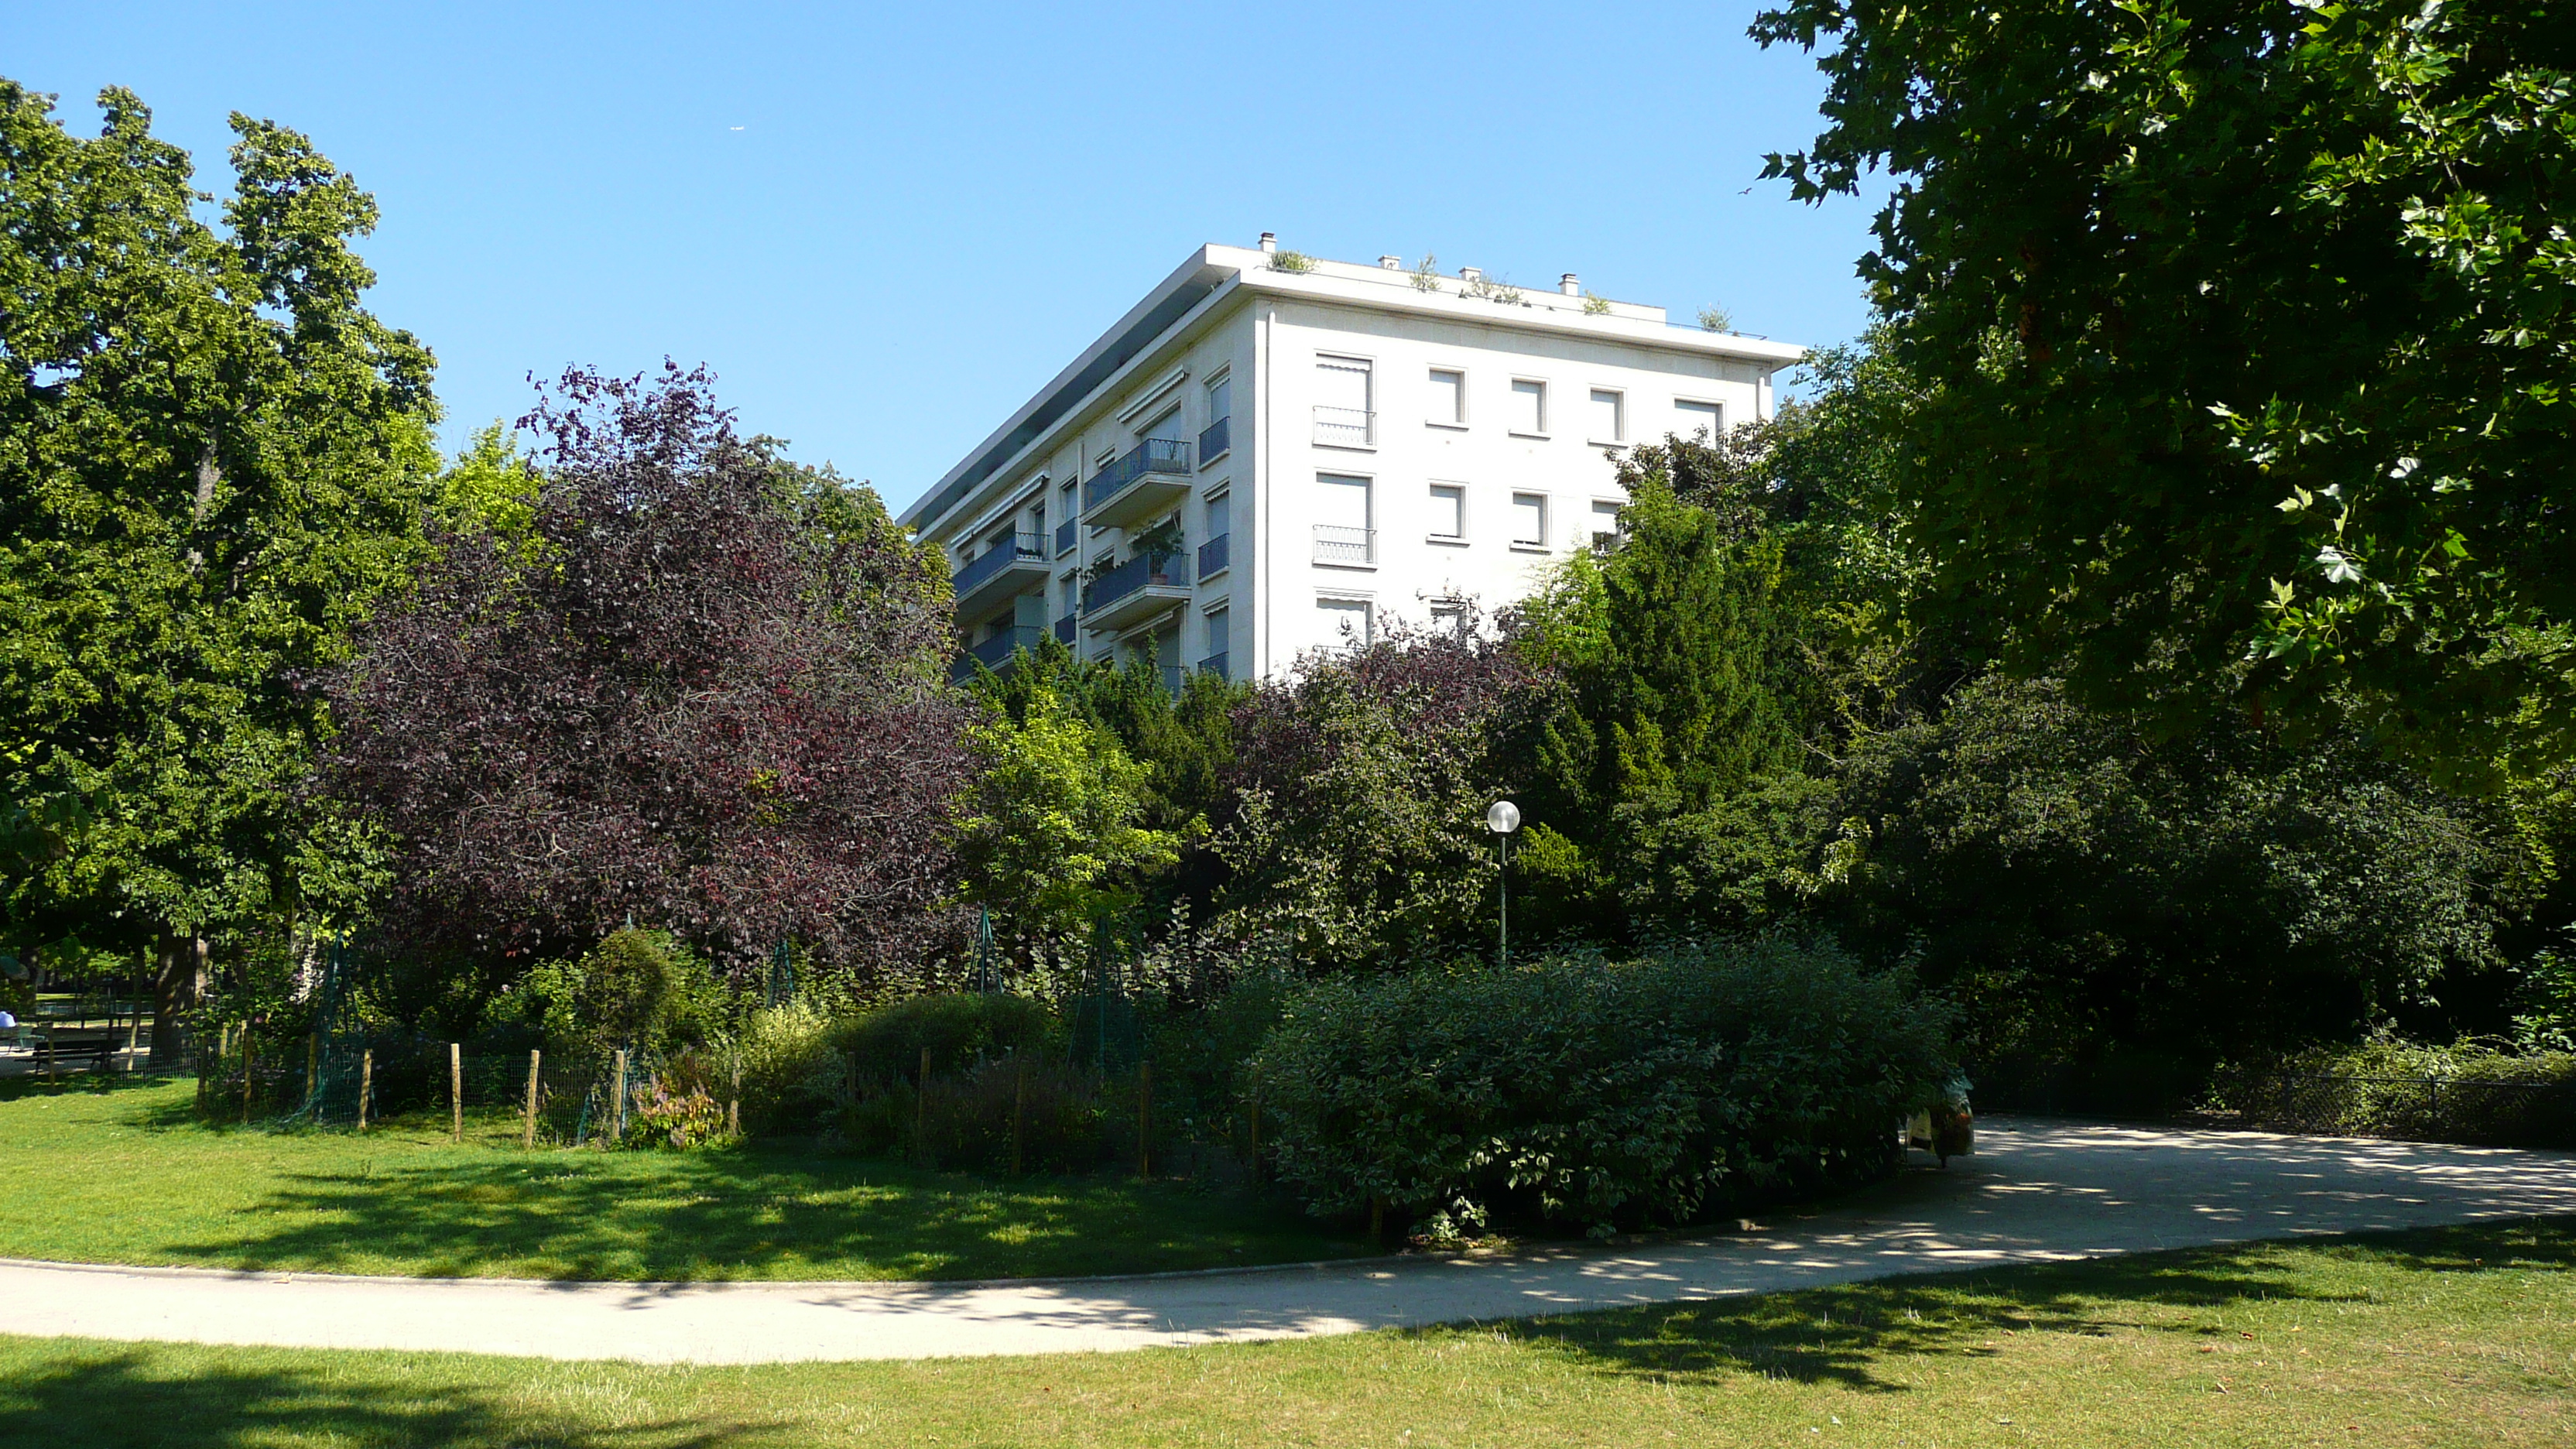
1000	572
1347	547
1064	630
1154	475
1172	680
995	653
1215	664
1214	440
1067	534
1214	556
1135	591
1345	428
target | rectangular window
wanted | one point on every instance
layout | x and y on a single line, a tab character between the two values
1529	520
1448	397
1605	523
1343	531
1220	515
1529	407
1448	511
1220	399
1346	622
1609	425
1220	631
1342	408
1702	421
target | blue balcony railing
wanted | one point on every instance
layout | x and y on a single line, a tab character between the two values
995	652
1064	630
1154	455
1066	535
1215	664
975	571
1213	440
1143	570
1212	555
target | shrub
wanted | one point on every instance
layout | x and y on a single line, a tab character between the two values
780	1050
1600	1091
959	1029
1063	1124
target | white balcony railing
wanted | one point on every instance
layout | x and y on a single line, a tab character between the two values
1337	545
1345	427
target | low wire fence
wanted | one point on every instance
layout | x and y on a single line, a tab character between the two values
2484	1112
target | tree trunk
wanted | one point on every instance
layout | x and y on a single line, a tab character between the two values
178	985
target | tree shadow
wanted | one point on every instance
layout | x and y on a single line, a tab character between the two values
1841	1335
81	1395
743	1213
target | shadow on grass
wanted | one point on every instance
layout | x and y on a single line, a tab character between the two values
96	1084
73	1395
749	1212
1840	1335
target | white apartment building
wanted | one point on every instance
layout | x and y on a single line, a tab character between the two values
1272	454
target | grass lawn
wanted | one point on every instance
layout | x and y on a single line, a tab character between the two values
119	1171
2463	1336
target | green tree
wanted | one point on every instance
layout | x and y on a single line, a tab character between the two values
2246	345
1048	834
212	458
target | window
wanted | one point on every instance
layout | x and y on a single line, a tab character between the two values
1068	506
1448	511
1216	439
1529	407
1164	429
1705	421
1220	514
1346	622
1342	415
1448	398
1220	399
1220	634
1605	523
1529	520
1608	425
1342	531
1448	616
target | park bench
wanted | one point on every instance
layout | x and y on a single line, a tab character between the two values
65	1051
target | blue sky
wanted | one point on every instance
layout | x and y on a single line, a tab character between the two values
884	227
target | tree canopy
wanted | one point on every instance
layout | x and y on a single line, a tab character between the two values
213	459
2246	339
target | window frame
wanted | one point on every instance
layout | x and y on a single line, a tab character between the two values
1459	423
1716	425
1512	424
1618	397
1538	545
1435	488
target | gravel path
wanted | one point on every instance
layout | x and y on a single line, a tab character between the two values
2037	1190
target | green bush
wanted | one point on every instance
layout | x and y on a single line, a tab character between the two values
1599	1091
959	1030
781	1050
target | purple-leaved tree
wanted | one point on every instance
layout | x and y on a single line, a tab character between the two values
702	689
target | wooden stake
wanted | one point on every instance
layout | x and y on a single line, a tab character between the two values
921	1112
1019	1111
456	1088
250	1064
1145	1119
133	1030
528	1129
733	1105
312	1061
366	1083
617	1120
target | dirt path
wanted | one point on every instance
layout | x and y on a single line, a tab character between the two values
2036	1190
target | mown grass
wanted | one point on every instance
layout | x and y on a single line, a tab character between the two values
2464	1336
119	1171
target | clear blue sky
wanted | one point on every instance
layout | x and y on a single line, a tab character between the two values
884	227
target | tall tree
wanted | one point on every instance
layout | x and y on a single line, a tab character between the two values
212	459
2247	344
703	690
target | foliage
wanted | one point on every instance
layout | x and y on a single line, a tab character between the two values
1292	262
637	990
780	1050
1360	789
1716	319
2079	884
706	693
2244	334
1595	306
1604	1092
212	462
677	1120
1425	275
1047	833
957	1029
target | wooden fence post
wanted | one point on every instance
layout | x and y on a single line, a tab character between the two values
133	1032
921	1112
456	1088
1145	1120
1019	1111
617	1118
250	1065
733	1104
312	1063
528	1130
366	1083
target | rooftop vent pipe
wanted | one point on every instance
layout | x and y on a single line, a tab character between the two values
1270	241
1569	286
1391	263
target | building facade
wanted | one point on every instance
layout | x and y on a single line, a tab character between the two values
1272	454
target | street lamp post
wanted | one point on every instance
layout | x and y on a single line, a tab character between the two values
1502	818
